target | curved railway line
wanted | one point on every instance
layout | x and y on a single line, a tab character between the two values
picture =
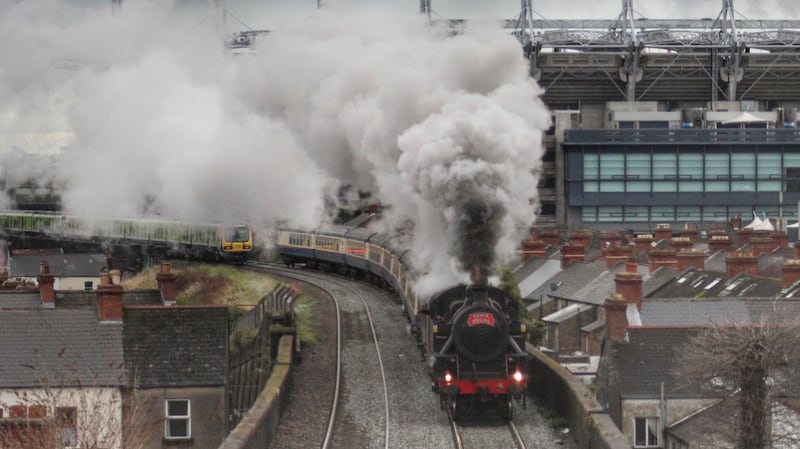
348	327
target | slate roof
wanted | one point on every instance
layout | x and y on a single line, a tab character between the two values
692	312
716	262
19	300
61	265
603	285
658	279
534	273
709	284
70	346
647	359
176	346
571	279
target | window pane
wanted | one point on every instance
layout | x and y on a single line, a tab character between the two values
652	431
590	186
633	213
612	166
178	428
612	186
714	213
589	214
663	213
609	214
665	172
717	173
590	166
743	171
638	172
688	213
690	168
640	432
178	408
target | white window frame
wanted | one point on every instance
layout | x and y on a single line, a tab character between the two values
647	420
73	427
169	418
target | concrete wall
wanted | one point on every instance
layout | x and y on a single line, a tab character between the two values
257	427
561	391
144	416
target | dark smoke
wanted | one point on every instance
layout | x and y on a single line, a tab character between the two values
477	235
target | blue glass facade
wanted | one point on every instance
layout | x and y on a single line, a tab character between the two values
681	175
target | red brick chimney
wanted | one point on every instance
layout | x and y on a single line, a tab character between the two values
736	221
662	258
46	285
719	243
797	249
762	245
617	254
572	253
741	262
681	243
791	272
642	244
3	276
109	299
781	239
580	237
616	316
663	232
550	237
745	234
609	238
691	259
629	284
693	234
533	248
534	233
166	283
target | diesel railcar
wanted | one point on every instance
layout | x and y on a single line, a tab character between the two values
205	241
472	336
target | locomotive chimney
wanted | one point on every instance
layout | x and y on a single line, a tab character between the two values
476	294
479	275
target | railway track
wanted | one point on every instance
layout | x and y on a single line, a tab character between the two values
493	434
349	326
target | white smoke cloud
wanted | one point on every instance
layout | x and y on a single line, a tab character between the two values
163	120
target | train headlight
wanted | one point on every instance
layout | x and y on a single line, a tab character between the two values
517	376
523	328
435	328
448	377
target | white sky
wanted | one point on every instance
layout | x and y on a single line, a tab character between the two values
263	14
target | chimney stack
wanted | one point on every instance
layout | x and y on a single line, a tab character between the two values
616	316
791	272
781	239
580	237
762	245
681	243
629	284
662	258
46	285
736	222
550	237
642	244
742	262
109	299
533	248
691	259
745	234
616	254
571	253
166	283
609	238
663	232
719	243
693	234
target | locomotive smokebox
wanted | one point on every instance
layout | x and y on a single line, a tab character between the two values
480	329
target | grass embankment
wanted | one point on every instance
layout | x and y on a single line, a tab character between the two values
240	290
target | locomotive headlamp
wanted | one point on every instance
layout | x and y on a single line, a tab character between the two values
523	328
435	328
448	377
517	376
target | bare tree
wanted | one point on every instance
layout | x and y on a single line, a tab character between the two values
65	411
749	363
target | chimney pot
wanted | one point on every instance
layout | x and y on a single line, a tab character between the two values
46	285
616	316
166	283
109	299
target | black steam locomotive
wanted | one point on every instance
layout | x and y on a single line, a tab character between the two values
477	341
472	336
